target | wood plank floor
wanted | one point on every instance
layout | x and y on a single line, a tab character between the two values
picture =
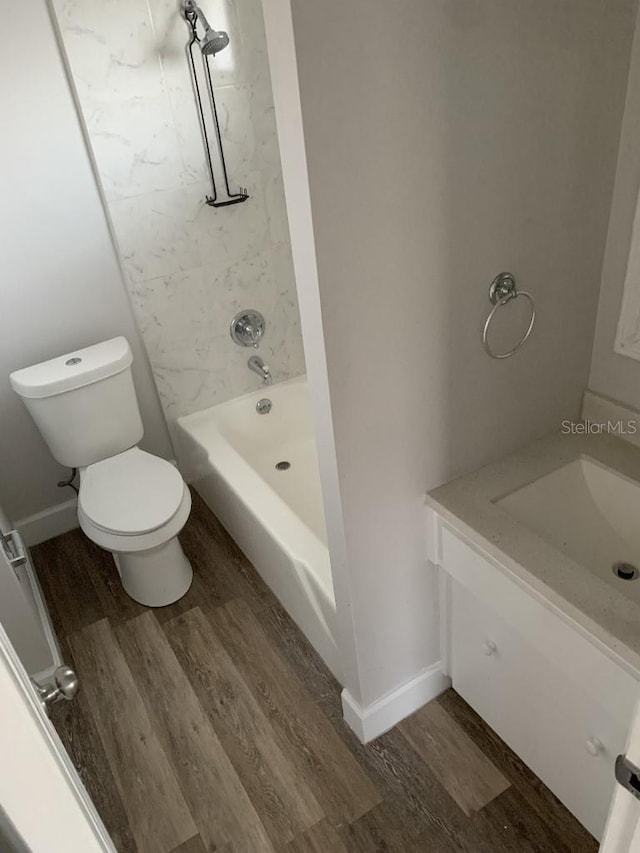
212	725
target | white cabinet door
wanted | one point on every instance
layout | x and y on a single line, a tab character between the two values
553	721
41	793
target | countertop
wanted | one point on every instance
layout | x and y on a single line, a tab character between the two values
467	505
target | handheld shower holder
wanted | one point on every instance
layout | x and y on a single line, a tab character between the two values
211	43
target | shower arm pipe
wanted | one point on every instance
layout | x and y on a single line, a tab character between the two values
192	8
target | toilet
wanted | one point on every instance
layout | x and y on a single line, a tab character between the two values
130	502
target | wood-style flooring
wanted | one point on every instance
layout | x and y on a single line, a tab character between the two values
212	725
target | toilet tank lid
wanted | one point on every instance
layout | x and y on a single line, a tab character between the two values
73	370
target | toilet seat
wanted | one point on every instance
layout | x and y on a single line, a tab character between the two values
145	541
130	494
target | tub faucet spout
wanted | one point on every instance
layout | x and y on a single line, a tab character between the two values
258	366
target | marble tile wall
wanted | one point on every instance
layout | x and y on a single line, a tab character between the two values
189	267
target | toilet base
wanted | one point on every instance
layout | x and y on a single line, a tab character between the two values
157	577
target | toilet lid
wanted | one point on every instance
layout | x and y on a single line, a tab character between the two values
131	493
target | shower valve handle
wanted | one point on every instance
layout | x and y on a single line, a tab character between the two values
247	328
253	335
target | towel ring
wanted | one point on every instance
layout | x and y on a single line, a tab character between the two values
502	290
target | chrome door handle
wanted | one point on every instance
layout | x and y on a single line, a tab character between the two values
64	686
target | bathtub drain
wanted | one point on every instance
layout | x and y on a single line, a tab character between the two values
283	466
625	571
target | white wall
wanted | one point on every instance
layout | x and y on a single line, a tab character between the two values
612	374
447	141
189	267
61	284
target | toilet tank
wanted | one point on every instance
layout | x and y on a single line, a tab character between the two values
84	403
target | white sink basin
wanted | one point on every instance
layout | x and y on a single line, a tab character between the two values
589	512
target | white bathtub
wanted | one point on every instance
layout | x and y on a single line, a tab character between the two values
229	454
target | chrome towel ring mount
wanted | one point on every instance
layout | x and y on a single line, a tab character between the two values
502	290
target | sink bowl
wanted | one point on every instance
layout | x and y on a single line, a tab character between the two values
589	512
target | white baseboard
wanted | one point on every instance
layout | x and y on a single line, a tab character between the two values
374	720
51	522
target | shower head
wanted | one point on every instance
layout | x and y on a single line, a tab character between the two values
213	41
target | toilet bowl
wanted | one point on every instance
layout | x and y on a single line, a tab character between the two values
130	502
134	505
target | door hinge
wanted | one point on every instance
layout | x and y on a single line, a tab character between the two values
13	549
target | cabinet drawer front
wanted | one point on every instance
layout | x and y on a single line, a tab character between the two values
569	740
558	641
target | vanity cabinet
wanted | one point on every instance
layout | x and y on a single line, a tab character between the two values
549	689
